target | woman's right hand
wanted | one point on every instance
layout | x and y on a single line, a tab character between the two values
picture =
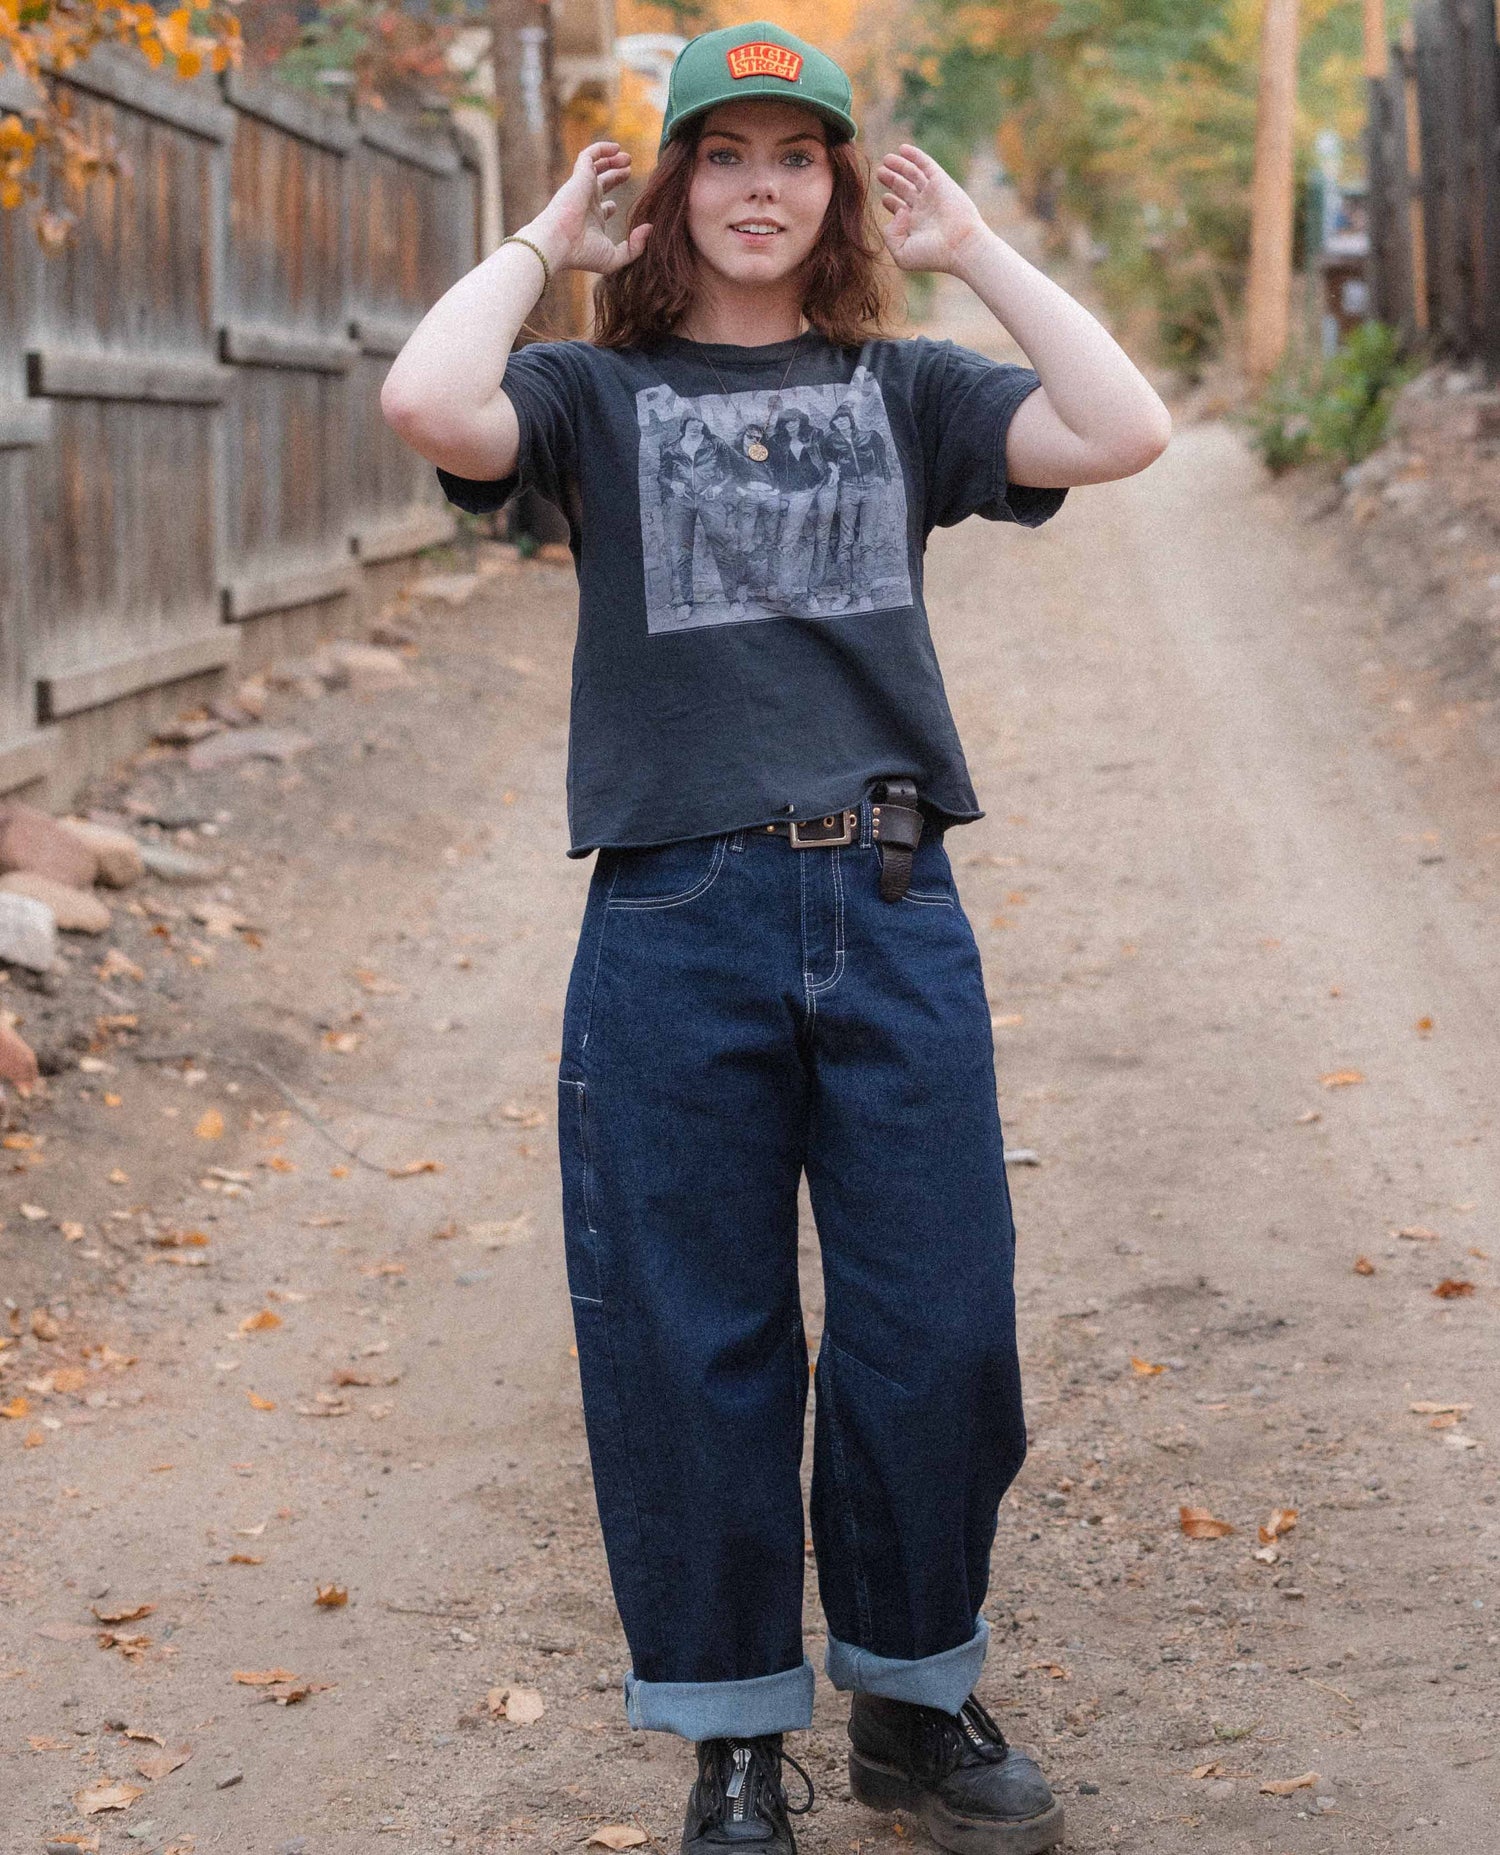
573	227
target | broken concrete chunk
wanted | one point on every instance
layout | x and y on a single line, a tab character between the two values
174	865
77	911
368	666
233	746
34	840
447	588
18	1064
28	933
116	853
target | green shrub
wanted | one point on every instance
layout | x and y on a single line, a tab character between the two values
1336	408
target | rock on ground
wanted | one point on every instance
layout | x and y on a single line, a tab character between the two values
28	933
78	911
34	840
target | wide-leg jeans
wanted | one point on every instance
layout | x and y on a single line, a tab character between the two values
740	1011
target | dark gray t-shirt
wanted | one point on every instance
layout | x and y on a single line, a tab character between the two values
752	642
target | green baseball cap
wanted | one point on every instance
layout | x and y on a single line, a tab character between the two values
757	60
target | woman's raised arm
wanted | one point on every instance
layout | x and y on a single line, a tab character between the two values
444	391
1096	416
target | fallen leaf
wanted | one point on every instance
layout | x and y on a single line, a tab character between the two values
1425	1407
1144	1367
163	1764
86	1843
210	1125
260	1322
1341	1078
1417	1233
1363	1266
1424	1027
331	1596
413	1167
107	1794
617	1836
1281	1520
1453	1288
17	1407
521	1706
39	1742
127	1614
1284	1787
139	1732
384	1268
262	1677
1455	1441
1054	1669
1444	1421
258	1403
526	1117
1210	1770
1199	1523
288	1693
245	1558
131	1647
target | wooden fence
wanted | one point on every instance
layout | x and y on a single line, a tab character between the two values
1434	195
190	434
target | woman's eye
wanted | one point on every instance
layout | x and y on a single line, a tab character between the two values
722	156
798	159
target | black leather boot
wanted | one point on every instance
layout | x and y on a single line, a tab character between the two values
739	1802
975	1793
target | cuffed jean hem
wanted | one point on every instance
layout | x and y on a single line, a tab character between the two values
945	1680
781	1703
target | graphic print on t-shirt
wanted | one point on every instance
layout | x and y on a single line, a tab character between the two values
770	504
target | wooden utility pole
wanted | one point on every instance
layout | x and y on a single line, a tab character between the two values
1268	297
529	138
1377	49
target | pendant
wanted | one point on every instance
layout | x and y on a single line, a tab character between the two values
757	451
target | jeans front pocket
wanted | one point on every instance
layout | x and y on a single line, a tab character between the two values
579	1191
932	882
665	875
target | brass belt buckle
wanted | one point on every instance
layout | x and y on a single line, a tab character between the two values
817	824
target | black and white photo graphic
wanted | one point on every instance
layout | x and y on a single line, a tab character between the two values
770	504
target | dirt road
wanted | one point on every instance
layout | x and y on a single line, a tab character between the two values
1233	859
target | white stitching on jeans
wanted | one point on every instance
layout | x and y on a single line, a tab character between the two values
671	901
823	985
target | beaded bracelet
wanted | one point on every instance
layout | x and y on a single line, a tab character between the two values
515	238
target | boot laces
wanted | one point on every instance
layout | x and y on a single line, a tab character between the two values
762	1780
970	1737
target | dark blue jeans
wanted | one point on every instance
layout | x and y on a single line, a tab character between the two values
739	1011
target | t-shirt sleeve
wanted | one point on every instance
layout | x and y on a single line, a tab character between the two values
964	405
542	383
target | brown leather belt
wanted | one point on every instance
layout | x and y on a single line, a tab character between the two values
895	824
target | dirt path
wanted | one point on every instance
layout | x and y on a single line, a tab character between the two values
1227	854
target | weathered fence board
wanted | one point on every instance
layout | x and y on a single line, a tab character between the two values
190	434
1435	202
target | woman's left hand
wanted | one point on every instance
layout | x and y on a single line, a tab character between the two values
932	218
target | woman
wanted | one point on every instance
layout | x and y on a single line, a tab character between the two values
775	974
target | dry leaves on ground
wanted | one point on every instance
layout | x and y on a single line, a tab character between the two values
413	1167
1199	1523
617	1836
1341	1078
258	1403
1416	1233
162	1764
122	1613
107	1794
1282	1520
332	1596
1285	1787
260	1322
1363	1266
1453	1288
1144	1368
521	1706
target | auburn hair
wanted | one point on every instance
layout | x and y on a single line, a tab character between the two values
845	292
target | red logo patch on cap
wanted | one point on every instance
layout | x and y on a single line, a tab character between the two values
762	60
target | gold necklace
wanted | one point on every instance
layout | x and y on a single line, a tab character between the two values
757	452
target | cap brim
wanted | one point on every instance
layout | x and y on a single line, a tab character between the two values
773	88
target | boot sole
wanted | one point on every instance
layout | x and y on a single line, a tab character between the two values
882	1787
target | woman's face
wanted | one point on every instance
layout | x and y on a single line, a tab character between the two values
760	186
